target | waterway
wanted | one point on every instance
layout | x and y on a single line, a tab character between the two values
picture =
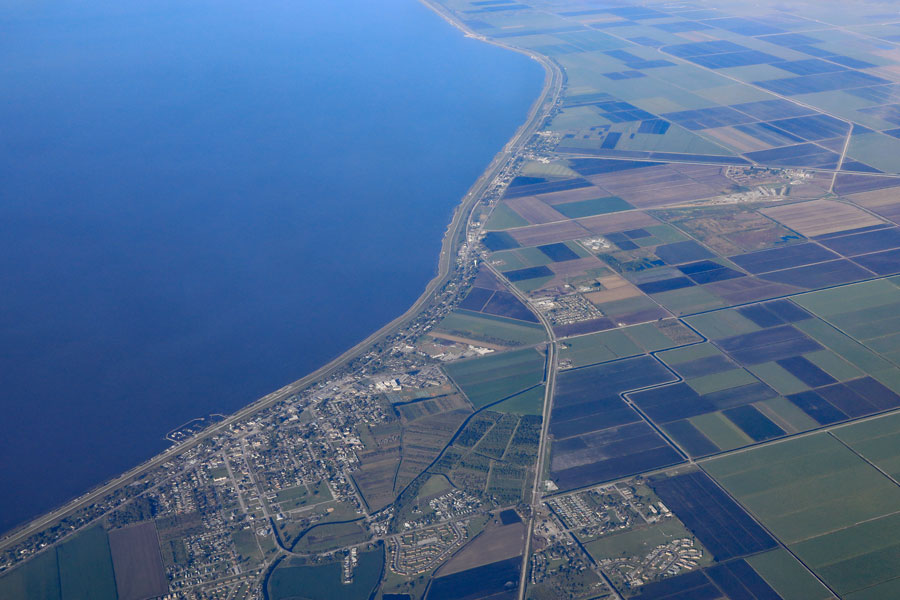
203	201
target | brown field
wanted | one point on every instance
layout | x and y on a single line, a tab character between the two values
565	196
848	183
433	406
495	543
623	180
663	194
486	279
738	140
576	267
696	36
548	233
748	289
533	210
886	71
137	562
727	230
676	331
620	221
379	461
759	238
659	185
614	288
883	202
709	174
892	54
375	479
821	216
425	437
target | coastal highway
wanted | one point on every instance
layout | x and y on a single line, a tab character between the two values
454	236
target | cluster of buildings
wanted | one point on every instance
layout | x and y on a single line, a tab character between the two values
665	560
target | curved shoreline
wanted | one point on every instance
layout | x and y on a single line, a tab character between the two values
454	238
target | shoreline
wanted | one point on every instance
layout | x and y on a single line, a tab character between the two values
453	239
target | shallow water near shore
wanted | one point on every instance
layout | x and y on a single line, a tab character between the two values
203	201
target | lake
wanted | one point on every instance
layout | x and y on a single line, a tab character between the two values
203	201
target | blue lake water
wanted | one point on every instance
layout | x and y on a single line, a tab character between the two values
202	201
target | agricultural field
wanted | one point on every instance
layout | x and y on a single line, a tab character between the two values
488	296
38	580
841	518
596	435
529	402
496	580
489	331
137	562
724	171
707	218
787	576
79	569
735	578
625	342
487	380
720	524
397	451
427	426
714	237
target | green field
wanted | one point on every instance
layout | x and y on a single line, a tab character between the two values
722	324
595	206
498	376
877	440
689	300
787	576
296	497
85	567
834	510
532	257
323	582
877	150
599	347
637	542
778	378
38	579
503	217
79	569
245	544
627	306
529	402
616	343
788	413
331	536
829	487
511	260
707	384
867	312
529	285
678	356
650	338
436	484
720	431
491	329
857	557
